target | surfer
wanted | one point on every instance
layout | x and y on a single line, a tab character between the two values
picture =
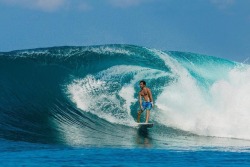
146	103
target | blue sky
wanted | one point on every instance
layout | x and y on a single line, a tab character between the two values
213	27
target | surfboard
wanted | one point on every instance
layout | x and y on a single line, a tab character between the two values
145	125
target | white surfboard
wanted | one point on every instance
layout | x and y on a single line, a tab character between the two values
145	125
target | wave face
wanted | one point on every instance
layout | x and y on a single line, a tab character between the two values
88	95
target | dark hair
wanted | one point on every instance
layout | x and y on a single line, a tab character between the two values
144	83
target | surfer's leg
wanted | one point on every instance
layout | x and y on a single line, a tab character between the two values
139	115
147	116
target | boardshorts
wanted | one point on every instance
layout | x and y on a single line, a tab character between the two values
146	105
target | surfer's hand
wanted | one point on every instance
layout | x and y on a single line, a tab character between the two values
152	104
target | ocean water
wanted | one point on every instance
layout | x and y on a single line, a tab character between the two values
77	106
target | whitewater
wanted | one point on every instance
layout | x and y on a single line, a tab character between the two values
88	96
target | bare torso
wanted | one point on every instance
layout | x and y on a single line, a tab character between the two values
144	93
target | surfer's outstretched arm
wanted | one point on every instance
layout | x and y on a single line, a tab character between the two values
150	97
140	101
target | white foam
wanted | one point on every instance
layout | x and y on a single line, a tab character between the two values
109	50
102	94
222	111
81	91
127	93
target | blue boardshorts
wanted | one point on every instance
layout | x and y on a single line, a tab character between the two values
146	106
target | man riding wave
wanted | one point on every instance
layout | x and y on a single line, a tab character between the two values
145	100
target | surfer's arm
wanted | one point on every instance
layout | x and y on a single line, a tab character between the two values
150	96
140	100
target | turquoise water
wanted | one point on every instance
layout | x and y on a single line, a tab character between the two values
26	154
72	106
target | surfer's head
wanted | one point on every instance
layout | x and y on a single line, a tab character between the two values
142	84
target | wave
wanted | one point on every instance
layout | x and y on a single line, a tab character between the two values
76	94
